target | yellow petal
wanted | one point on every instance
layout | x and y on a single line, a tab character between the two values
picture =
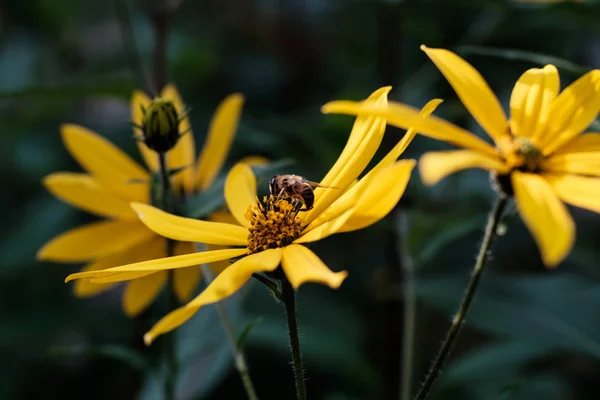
349	197
579	191
240	192
364	140
381	195
545	215
224	285
141	292
472	89
583	143
218	266
221	132
436	165
222	216
137	270
325	229
301	265
185	280
84	192
410	134
95	240
572	111
583	163
532	99
106	162
406	117
83	289
255	161
154	248
190	230
139	99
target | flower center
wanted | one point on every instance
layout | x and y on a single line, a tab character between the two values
524	153
273	223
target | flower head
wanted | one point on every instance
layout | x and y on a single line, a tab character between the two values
271	233
539	154
160	124
113	180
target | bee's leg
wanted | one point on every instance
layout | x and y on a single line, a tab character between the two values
279	196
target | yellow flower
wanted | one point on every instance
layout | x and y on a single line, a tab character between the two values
539	155
272	231
113	181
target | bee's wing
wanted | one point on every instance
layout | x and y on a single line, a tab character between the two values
317	184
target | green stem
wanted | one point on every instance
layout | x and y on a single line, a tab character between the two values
170	340
238	353
133	56
289	299
165	181
270	284
408	339
459	318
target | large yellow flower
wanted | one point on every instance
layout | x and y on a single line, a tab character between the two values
539	155
272	231
113	181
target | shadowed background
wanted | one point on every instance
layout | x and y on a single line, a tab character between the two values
532	333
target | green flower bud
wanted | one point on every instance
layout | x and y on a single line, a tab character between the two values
160	125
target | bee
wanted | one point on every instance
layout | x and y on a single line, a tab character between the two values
296	187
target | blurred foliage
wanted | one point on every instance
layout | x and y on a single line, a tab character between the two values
533	333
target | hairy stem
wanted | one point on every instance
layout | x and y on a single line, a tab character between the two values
459	318
289	300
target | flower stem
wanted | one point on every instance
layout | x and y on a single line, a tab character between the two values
238	353
289	299
459	318
408	339
170	341
165	181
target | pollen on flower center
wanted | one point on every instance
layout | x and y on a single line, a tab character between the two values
524	154
273	223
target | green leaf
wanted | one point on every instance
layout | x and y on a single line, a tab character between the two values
242	337
557	311
520	55
204	354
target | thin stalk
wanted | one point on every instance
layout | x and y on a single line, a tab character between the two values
269	284
170	340
238	353
410	305
130	49
289	300
459	318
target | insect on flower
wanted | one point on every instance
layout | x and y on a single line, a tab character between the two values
297	188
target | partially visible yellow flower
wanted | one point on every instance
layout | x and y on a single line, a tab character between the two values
272	231
539	155
113	181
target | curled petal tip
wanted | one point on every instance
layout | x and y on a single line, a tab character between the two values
340	277
423	47
148	339
434	103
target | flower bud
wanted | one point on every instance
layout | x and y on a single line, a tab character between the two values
160	125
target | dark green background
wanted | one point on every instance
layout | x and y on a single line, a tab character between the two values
532	333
